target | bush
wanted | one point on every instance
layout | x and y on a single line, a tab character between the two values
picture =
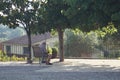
114	55
4	57
54	52
78	43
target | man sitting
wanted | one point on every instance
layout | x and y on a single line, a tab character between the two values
46	53
49	55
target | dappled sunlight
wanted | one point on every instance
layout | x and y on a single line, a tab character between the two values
90	68
72	65
87	65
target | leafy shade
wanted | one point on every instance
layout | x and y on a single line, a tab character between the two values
54	14
93	14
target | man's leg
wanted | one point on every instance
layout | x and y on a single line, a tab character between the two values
48	59
43	58
39	60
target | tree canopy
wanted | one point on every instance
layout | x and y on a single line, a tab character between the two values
93	14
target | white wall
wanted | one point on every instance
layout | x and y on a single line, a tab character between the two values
16	48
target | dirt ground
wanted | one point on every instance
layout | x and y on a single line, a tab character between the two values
70	69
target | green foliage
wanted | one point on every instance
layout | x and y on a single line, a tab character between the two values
111	9
81	13
49	50
93	14
78	43
53	14
4	57
114	55
93	42
115	17
14	58
54	52
107	30
53	32
108	41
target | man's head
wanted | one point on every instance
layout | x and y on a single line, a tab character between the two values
44	43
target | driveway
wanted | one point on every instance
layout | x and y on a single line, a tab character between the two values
70	69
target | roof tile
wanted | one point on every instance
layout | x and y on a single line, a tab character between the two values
24	39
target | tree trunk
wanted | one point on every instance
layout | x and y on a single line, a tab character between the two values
61	53
29	60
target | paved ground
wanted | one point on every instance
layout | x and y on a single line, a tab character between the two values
71	69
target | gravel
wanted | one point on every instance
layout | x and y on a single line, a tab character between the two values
58	71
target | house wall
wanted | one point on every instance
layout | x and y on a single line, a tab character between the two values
16	48
1	46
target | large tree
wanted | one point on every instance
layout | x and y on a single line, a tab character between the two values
21	13
84	14
61	14
55	19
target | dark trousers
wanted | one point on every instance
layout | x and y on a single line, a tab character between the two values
43	58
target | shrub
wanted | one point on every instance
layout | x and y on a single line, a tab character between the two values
114	55
4	57
78	43
54	52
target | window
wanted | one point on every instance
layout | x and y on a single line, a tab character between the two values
25	50
8	49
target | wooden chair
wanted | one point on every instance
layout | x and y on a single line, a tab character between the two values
37	53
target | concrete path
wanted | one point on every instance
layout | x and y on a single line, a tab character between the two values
70	69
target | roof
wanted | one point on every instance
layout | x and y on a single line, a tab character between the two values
24	39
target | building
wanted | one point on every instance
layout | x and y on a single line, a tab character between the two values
19	46
1	46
